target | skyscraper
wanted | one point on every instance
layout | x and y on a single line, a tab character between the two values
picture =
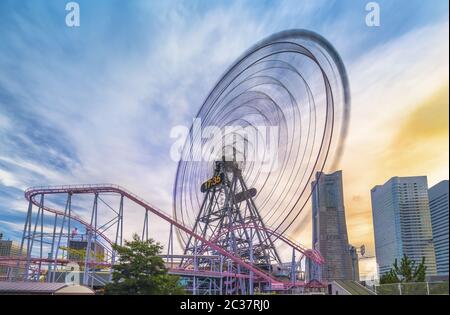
330	229
402	222
8	248
438	195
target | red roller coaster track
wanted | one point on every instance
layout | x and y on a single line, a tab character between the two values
312	254
32	192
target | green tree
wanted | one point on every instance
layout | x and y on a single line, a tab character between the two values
141	271
420	271
79	256
407	271
390	277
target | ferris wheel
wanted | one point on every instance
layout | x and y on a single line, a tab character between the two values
290	92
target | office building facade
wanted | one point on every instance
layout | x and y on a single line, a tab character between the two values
438	198
402	222
330	229
8	248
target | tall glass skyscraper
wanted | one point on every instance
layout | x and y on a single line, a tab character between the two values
438	195
330	229
402	222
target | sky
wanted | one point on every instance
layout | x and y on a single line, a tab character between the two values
96	103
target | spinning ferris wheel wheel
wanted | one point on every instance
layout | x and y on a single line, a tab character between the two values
290	90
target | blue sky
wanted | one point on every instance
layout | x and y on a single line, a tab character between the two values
96	103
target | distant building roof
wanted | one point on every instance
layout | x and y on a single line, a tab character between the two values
43	288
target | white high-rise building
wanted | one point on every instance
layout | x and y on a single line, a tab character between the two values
438	195
402	222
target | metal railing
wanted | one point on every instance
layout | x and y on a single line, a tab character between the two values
413	288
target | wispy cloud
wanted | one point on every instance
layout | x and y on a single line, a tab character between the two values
96	104
399	97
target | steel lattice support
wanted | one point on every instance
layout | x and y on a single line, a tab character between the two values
229	262
222	209
33	264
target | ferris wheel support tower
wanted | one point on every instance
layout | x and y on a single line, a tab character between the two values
230	218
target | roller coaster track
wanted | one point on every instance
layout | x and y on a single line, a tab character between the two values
11	261
33	192
310	253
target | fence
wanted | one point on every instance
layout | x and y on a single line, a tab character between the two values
413	288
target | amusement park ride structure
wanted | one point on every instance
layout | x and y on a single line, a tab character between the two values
230	218
231	233
212	269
